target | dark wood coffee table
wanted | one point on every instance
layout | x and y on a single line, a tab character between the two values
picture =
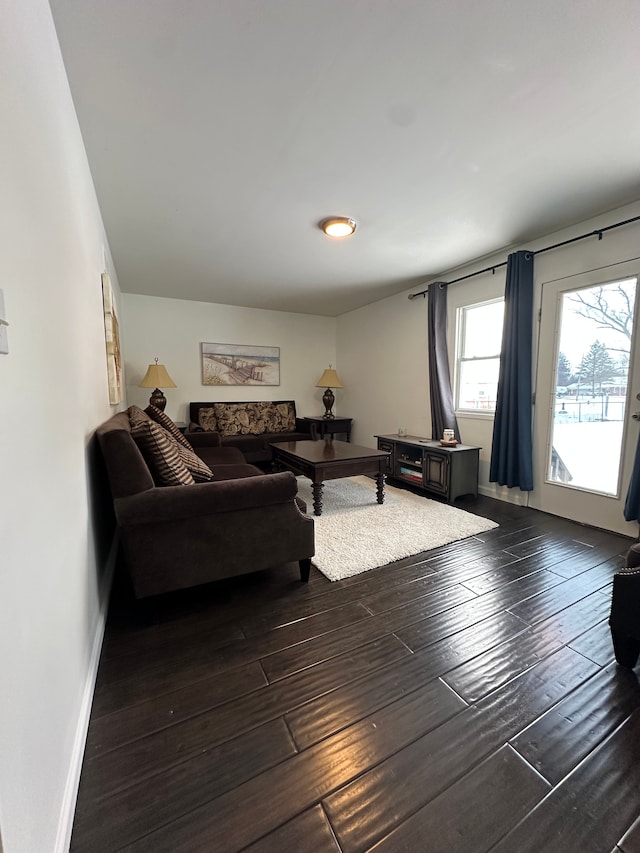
330	460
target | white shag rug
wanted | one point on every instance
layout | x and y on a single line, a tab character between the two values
355	533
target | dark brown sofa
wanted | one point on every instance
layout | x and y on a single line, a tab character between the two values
233	422
181	536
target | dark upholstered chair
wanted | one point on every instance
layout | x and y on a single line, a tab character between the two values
624	620
181	536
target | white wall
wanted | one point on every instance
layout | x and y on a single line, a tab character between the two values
384	345
173	329
382	350
53	393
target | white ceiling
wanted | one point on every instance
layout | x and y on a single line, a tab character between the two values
219	133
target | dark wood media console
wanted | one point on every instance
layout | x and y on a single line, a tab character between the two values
424	463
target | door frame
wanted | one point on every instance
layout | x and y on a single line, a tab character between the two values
573	502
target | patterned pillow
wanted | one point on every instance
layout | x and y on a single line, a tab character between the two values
207	419
262	417
286	414
281	417
166	422
235	418
161	454
258	414
200	472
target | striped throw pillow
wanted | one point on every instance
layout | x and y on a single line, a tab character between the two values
161	454
166	422
136	415
200	472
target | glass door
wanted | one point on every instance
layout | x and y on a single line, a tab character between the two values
587	379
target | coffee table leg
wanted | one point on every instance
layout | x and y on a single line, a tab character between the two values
317	498
380	488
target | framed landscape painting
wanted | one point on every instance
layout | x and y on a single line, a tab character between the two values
239	364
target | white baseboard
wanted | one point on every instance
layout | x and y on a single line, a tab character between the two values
67	812
501	493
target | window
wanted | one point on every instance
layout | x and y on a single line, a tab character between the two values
478	342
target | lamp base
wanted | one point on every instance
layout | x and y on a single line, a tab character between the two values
158	399
328	398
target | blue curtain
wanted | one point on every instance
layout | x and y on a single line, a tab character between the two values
511	449
632	504
443	413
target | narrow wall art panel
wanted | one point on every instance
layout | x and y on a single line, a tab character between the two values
112	340
239	364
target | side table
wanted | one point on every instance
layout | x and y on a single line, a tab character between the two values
321	427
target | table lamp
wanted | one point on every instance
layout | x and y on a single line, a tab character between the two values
157	377
329	380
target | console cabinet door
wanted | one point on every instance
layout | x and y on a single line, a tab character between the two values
390	447
436	472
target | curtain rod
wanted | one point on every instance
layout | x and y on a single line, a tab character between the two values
597	233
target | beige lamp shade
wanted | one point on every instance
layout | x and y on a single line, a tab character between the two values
329	379
157	377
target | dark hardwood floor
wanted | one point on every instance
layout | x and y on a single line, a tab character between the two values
465	699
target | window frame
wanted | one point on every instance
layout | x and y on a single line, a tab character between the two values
460	332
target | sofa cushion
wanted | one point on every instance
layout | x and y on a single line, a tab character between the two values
236	472
166	422
274	437
246	443
207	419
161	453
214	456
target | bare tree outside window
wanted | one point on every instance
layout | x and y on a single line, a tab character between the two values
609	308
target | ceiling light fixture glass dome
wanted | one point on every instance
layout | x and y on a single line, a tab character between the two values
338	226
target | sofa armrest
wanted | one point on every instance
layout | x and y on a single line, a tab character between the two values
173	503
303	426
203	439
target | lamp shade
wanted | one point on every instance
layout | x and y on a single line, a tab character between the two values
157	377
329	379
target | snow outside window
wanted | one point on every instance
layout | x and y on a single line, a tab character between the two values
478	343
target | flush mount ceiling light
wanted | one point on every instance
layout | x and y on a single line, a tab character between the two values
338	226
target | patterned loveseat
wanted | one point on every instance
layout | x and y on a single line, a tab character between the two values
250	426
